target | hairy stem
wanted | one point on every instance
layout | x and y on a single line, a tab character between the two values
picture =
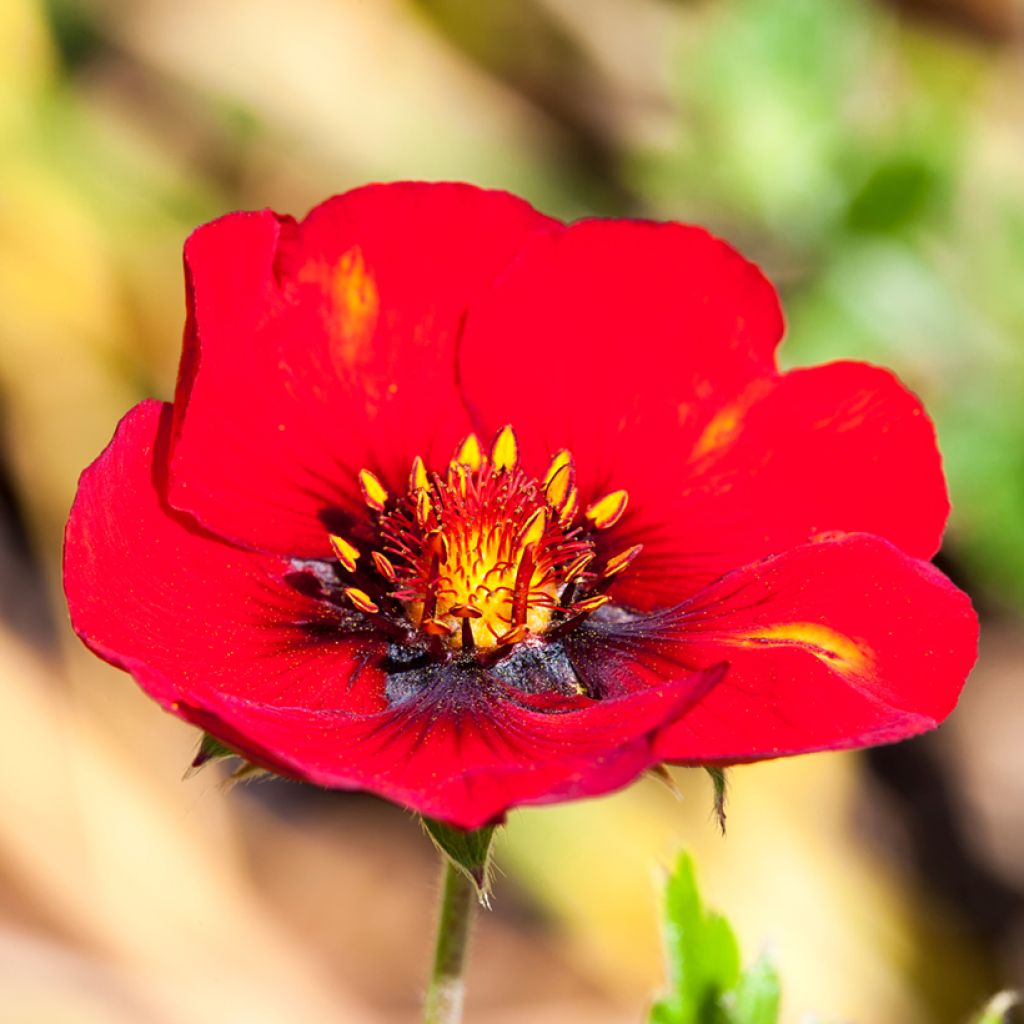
445	992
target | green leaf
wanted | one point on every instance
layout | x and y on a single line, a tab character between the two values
757	997
701	952
470	852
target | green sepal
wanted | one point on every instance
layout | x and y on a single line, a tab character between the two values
720	783
210	749
469	851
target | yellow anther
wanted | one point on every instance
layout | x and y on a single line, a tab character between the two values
557	488
591	604
348	554
423	507
418	475
435	627
469	453
514	635
559	461
569	508
577	567
622	560
534	528
464	611
457	477
607	511
361	600
384	566
505	450
374	493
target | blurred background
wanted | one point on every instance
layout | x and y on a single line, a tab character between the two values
869	155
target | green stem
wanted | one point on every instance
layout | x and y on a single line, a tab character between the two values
444	994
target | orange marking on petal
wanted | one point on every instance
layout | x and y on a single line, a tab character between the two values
835	649
354	302
607	511
348	554
723	428
384	566
361	600
591	604
505	450
469	453
622	560
374	493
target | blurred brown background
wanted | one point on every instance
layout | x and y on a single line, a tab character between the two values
871	156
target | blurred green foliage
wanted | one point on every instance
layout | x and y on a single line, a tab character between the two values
705	982
865	161
706	985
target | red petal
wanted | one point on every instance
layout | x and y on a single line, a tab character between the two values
606	337
843	447
187	615
315	349
461	758
648	351
219	638
843	643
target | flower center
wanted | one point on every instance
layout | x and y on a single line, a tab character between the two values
485	555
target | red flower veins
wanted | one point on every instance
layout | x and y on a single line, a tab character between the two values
474	509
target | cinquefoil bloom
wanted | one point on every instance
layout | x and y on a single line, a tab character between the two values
471	508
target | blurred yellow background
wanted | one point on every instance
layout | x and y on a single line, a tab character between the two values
870	155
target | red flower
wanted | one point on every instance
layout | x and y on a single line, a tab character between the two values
648	546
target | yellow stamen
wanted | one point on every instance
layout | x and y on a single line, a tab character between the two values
384	566
505	450
361	600
591	604
435	627
560	460
557	488
622	560
569	508
514	635
457	477
418	475
348	554
534	528
575	570
483	554
374	493
423	507
607	511
469	453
